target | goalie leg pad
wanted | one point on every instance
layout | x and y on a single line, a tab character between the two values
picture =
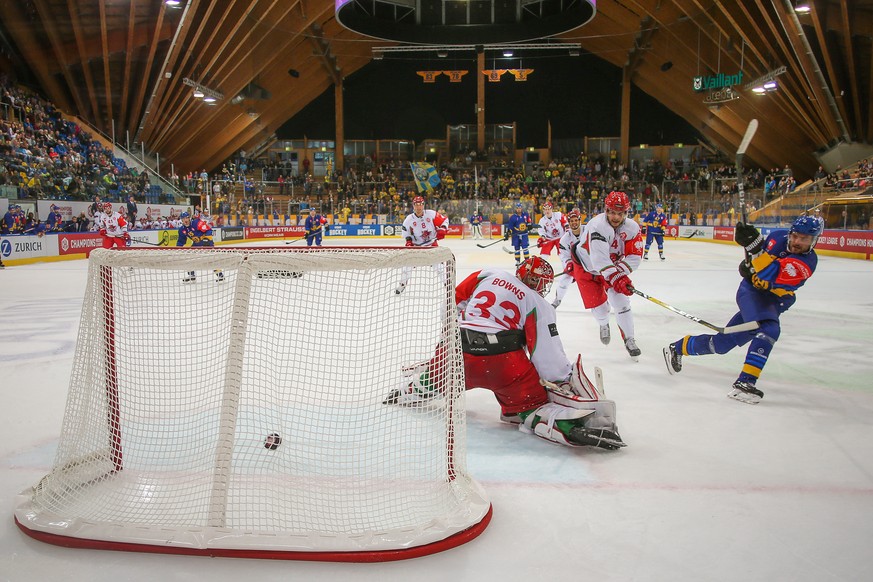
604	412
541	422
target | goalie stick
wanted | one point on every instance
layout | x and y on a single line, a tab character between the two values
747	326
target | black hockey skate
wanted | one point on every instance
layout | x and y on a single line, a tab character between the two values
746	392
673	359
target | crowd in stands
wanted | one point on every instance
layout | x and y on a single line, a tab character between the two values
48	157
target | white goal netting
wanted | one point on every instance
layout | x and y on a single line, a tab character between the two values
178	386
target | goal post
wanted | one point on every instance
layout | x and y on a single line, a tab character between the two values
245	415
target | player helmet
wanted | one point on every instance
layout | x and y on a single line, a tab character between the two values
617	201
807	225
185	215
537	274
55	207
107	207
418	200
574	214
547	206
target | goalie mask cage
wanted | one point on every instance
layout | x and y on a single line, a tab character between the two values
177	389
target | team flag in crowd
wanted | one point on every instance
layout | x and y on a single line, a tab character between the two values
426	177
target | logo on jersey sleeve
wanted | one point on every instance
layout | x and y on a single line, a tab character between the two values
793	272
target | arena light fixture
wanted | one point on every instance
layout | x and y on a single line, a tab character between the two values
802	7
202	91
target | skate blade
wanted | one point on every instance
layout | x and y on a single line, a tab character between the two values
744	397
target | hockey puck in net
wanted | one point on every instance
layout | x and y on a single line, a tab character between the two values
272	441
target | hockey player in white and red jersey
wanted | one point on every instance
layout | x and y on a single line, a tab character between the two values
608	251
422	228
112	227
553	225
511	346
571	237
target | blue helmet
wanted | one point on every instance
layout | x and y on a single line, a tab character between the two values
185	215
807	225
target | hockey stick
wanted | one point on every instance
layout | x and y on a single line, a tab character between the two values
747	326
491	244
744	145
291	242
134	241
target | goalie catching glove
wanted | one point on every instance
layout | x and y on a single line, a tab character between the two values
748	237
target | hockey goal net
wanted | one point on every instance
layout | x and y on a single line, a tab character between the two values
467	230
242	413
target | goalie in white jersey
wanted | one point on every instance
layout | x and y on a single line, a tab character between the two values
608	251
511	346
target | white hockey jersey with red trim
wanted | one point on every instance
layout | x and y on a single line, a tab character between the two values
603	249
422	229
493	300
553	228
114	224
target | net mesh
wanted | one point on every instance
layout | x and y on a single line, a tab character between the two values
178	386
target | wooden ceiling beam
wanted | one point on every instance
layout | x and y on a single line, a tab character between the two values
820	35
36	56
128	57
49	21
137	105
849	56
107	77
86	65
323	52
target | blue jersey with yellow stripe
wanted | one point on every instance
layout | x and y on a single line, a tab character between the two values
778	272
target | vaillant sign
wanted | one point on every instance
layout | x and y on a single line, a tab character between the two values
716	82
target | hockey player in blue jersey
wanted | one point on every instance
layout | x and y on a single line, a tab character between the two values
773	271
54	222
315	225
518	227
655	221
199	232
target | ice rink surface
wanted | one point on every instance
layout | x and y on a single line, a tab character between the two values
709	489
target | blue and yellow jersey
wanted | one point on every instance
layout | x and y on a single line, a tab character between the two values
779	271
199	232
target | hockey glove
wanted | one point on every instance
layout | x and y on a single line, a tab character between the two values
622	284
441	233
409	242
102	232
748	237
746	270
569	268
506	235
540	242
127	241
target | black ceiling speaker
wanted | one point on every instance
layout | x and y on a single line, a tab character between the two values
667	66
294	73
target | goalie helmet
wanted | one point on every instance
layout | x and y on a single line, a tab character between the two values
617	201
537	274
